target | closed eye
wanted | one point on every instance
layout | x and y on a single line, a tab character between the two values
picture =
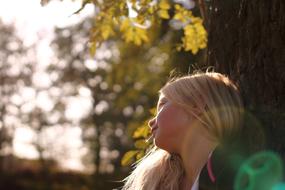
161	104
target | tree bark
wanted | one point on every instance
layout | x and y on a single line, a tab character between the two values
247	42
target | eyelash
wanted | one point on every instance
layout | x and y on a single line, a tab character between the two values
161	104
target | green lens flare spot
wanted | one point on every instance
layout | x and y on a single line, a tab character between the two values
280	186
260	172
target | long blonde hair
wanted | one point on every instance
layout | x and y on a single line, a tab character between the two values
210	93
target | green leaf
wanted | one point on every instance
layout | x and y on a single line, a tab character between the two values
128	157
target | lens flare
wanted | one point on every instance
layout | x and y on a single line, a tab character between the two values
260	172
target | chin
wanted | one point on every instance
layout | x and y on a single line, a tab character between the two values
163	146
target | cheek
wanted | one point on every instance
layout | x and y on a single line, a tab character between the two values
172	124
164	134
172	120
166	122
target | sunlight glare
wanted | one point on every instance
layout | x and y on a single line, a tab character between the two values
21	143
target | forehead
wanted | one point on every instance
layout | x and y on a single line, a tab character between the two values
162	97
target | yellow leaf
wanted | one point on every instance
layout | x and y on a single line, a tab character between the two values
128	157
128	35
137	40
141	144
133	33
164	4
105	34
150	10
144	37
194	50
182	14
203	45
125	25
177	6
140	154
178	16
195	36
106	31
142	34
163	14
189	31
196	20
142	131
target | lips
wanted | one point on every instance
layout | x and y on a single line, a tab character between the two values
153	129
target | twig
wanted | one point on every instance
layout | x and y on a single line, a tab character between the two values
203	11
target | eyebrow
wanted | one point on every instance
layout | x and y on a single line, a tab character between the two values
161	101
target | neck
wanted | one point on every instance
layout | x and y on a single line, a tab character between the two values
186	185
195	158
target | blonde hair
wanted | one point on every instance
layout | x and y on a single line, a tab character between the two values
211	94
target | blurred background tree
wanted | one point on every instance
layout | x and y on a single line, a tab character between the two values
121	92
9	44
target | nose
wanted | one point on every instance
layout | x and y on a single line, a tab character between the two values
152	122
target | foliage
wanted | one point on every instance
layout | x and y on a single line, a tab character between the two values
124	88
132	21
142	143
144	25
195	35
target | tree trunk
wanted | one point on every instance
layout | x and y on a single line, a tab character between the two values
247	42
97	149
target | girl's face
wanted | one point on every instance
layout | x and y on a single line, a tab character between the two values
170	125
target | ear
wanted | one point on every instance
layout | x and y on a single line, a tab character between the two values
200	106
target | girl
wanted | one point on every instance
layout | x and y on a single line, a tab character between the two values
195	115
